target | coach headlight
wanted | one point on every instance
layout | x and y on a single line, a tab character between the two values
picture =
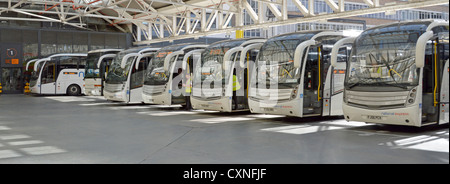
412	96
294	93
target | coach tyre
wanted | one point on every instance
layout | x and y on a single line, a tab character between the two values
73	90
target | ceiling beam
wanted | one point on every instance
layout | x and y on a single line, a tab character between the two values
321	17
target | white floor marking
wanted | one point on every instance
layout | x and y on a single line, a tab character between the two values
43	150
422	142
21	143
4	128
164	106
438	145
265	116
205	111
345	123
12	137
93	104
128	107
208	120
221	120
95	97
8	154
69	99
311	129
276	129
316	127
164	113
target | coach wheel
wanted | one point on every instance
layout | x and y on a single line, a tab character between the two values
73	90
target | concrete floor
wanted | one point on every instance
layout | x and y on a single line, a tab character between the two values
62	129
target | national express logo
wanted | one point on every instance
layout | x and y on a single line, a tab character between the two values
395	114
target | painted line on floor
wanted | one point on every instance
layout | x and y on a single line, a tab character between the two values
311	129
265	116
12	137
289	127
21	143
94	104
345	123
8	154
128	107
4	128
301	129
95	97
43	150
221	120
316	127
69	99
421	142
165	113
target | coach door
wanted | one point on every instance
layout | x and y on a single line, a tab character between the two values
48	78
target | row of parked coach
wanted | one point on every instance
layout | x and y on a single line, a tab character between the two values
389	74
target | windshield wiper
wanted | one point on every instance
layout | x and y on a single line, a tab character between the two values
385	62
354	85
267	84
359	82
287	85
395	85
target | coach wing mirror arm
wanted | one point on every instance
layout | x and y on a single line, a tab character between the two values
420	48
125	59
39	61
245	50
300	50
169	57
99	62
28	64
422	42
142	56
189	54
337	46
227	57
